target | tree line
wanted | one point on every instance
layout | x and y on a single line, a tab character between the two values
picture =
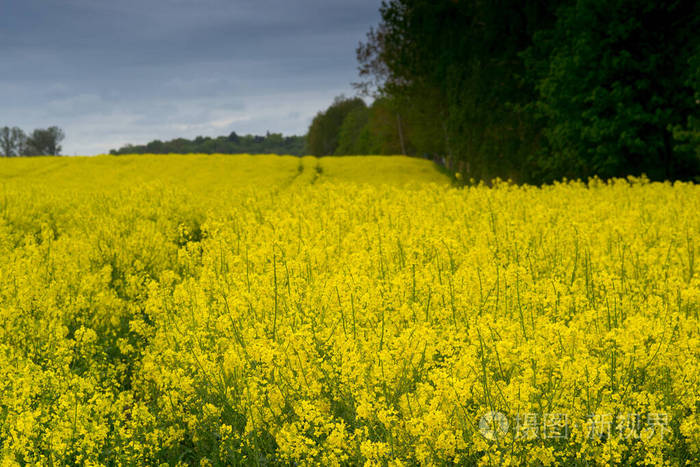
271	143
14	142
527	90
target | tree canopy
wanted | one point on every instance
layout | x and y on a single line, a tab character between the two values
41	142
535	91
323	137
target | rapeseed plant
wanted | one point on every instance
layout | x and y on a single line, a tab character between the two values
268	310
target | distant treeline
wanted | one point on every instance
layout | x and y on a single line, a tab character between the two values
271	143
14	142
528	90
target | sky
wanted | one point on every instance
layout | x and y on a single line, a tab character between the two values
111	72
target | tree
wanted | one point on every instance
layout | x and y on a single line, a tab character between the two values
274	139
353	134
324	132
614	80
452	70
384	128
156	147
12	141
45	142
686	136
536	91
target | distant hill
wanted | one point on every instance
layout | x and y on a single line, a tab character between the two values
271	143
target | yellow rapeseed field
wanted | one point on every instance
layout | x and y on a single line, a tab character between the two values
264	310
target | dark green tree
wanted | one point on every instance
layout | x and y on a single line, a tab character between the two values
354	136
45	142
453	71
686	136
615	79
324	132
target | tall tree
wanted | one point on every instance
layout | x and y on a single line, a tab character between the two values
324	132
615	78
457	65
12	141
45	142
354	136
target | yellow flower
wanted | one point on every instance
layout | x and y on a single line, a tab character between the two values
236	310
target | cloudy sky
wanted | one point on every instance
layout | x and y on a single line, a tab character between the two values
111	72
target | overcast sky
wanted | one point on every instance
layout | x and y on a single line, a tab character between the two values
111	72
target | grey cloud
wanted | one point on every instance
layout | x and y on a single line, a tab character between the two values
112	72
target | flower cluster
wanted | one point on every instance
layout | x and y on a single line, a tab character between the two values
258	310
